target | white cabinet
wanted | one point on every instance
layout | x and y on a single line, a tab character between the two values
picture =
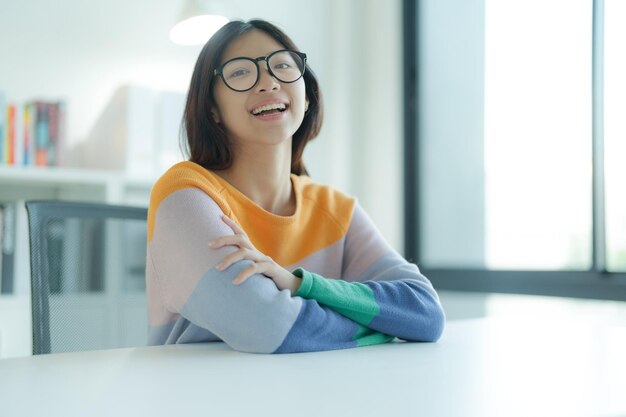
19	184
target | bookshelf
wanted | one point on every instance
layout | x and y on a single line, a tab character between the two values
132	139
23	183
19	184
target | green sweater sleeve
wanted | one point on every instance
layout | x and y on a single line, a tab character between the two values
353	300
350	299
402	308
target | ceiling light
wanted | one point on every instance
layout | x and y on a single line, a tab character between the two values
198	21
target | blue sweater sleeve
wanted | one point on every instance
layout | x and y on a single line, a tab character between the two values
189	300
399	300
397	307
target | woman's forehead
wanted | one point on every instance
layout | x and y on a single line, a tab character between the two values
252	44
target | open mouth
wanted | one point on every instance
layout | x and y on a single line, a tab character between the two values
270	109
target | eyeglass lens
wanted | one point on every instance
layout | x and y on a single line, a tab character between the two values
242	74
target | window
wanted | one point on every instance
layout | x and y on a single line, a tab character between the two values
615	132
516	145
537	143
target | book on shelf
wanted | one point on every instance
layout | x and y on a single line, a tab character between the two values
29	138
3	126
32	133
10	134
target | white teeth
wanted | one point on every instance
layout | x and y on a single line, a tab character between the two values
274	106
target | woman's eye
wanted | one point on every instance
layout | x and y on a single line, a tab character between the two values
282	66
238	73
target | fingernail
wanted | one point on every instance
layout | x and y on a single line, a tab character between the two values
212	243
219	266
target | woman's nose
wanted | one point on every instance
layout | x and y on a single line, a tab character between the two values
266	81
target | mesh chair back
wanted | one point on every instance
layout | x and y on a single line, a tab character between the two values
87	275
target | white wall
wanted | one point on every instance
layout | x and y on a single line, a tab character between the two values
82	51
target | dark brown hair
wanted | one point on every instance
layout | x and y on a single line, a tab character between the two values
207	143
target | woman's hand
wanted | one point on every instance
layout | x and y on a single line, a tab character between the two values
262	264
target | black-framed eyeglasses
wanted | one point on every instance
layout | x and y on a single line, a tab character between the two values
243	73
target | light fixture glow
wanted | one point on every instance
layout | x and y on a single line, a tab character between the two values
200	19
196	30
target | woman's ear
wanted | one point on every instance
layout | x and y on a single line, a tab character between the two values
306	104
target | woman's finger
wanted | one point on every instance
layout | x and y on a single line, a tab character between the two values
231	223
256	268
231	240
238	256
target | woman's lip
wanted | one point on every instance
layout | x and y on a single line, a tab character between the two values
271	116
268	101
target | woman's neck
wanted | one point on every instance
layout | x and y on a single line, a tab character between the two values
263	175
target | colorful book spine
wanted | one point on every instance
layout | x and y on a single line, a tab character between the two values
3	116
61	129
9	157
18	128
28	156
41	134
53	133
31	133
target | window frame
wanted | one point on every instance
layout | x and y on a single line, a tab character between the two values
597	282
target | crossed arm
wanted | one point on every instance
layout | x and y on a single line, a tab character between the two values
269	309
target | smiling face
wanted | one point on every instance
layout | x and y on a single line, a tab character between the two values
272	111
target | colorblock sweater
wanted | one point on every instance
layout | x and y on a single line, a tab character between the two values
355	291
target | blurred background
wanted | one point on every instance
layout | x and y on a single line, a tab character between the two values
486	138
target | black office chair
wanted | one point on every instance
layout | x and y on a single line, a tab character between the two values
87	275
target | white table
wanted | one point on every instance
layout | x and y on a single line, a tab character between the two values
479	368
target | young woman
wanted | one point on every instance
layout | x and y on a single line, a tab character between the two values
242	246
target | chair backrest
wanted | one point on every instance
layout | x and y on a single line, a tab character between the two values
87	275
